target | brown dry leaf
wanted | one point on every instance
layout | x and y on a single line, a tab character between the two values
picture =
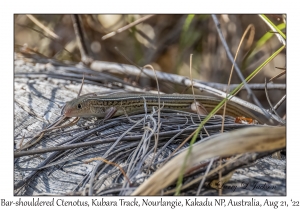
254	139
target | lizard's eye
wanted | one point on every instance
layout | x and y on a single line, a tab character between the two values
79	106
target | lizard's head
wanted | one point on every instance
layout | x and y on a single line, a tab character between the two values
76	107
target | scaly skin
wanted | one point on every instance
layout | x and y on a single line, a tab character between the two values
120	103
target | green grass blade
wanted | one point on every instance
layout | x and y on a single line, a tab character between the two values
273	25
266	37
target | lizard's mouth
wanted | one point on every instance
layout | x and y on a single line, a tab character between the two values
66	111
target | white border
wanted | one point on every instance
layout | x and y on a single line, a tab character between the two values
153	6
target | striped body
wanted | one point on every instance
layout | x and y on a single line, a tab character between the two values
99	106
